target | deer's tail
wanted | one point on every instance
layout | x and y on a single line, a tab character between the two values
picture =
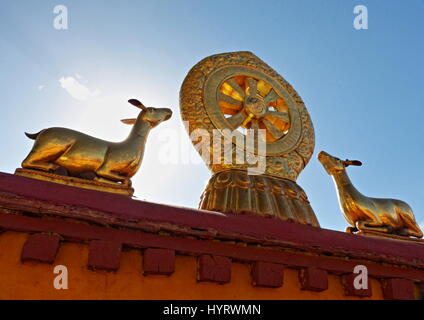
32	136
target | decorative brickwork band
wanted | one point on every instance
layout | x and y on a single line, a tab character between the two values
41	247
104	255
214	269
398	289
53	213
158	261
350	290
267	274
420	286
313	279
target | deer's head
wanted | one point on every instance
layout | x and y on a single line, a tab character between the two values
153	116
334	165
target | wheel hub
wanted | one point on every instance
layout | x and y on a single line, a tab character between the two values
255	105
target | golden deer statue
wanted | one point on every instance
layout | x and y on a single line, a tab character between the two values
387	216
81	155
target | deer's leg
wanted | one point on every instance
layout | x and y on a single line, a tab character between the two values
110	176
104	180
374	222
414	233
372	226
351	229
411	228
106	173
32	161
44	154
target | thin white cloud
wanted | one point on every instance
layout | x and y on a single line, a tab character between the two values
41	87
76	89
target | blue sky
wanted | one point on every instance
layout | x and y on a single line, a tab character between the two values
363	89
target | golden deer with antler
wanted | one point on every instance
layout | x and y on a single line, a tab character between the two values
80	154
388	216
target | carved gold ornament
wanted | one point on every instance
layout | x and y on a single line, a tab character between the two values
238	91
235	92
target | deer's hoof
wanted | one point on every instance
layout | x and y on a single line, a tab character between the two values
61	171
88	175
351	230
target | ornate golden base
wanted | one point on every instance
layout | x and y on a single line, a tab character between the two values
122	189
237	192
387	236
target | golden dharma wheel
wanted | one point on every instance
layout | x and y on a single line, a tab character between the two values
239	98
238	91
232	93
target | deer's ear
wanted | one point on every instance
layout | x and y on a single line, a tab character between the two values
137	104
348	163
129	121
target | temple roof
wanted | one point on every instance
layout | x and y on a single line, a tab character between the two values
72	214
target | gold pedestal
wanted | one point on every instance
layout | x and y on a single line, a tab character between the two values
375	234
121	189
235	191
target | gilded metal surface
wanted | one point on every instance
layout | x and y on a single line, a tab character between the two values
364	214
76	154
235	191
238	91
216	94
252	107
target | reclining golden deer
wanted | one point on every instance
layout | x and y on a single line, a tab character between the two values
81	155
380	215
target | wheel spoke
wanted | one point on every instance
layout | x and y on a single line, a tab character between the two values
254	125
271	96
280	115
253	86
263	88
233	83
275	132
225	98
237	120
247	120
